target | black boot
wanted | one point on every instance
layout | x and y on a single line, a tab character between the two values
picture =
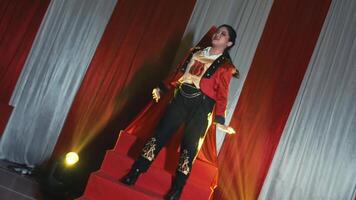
174	193
131	177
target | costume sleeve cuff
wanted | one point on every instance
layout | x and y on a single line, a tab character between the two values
219	119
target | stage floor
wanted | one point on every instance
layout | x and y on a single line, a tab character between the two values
14	186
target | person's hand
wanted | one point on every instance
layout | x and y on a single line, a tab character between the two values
226	129
156	94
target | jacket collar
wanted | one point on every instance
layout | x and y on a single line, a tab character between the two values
225	57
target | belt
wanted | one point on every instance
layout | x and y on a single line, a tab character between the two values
194	92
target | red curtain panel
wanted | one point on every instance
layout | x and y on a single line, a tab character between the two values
135	53
19	23
270	89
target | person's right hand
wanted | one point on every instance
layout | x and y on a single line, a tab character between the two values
156	94
226	129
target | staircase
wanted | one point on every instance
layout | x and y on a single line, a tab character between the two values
154	184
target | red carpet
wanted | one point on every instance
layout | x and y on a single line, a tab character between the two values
104	184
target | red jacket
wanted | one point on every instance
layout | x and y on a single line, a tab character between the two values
215	82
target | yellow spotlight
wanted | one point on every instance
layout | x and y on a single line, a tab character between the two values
71	158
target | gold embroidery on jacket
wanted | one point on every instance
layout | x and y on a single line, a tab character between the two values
183	163
148	150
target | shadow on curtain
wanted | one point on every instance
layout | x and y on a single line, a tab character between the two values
135	53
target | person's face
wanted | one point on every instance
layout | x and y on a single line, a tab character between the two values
221	38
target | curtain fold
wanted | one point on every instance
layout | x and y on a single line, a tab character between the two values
53	71
19	23
269	91
136	52
316	157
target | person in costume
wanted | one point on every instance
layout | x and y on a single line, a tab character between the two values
201	86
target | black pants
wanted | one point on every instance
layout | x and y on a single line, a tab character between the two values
194	112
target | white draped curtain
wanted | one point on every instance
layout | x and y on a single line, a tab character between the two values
54	69
316	157
248	17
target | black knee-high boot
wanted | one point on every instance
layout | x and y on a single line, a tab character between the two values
142	163
180	179
140	166
177	187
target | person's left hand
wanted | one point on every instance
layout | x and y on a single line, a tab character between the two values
156	94
226	129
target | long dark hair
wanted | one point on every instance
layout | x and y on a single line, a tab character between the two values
232	38
232	35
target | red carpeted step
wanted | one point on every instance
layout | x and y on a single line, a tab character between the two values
202	171
104	187
124	142
116	165
156	179
153	184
